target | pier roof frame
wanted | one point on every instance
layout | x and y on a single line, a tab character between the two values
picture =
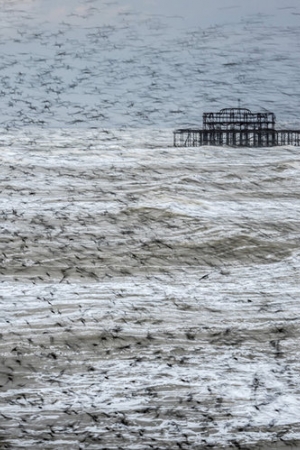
238	118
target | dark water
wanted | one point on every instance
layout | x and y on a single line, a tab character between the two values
149	297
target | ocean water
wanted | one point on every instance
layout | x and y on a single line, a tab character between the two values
149	295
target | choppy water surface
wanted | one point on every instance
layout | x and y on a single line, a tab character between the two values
149	294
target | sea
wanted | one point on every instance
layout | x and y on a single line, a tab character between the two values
149	294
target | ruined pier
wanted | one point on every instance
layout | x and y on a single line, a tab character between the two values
236	127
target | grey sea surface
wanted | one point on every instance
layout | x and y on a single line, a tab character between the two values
149	294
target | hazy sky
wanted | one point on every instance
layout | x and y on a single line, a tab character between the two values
192	13
139	60
211	12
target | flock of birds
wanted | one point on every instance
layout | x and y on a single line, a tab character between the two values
146	302
149	295
109	66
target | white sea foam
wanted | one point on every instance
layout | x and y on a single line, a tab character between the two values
149	296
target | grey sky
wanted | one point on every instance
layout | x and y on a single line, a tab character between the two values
145	62
192	13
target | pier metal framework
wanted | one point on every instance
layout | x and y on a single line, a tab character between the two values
236	127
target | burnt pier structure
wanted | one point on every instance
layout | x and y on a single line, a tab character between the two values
236	127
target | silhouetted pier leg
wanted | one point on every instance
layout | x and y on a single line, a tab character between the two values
235	138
